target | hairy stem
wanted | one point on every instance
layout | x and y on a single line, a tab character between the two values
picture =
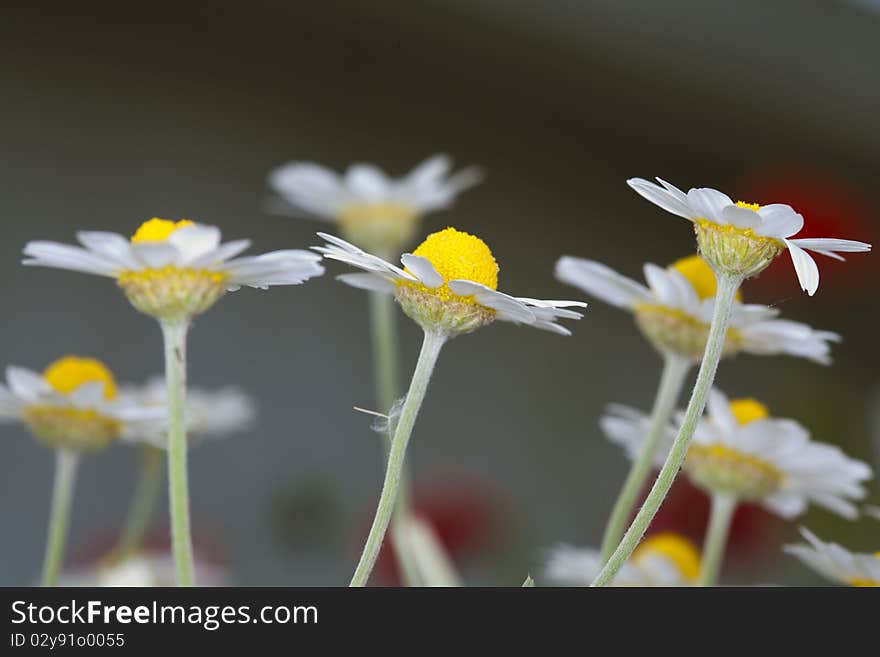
723	507
675	370
62	495
431	347
143	503
727	287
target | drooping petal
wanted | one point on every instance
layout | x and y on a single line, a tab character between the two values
805	266
507	307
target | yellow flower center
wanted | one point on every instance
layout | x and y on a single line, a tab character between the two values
457	255
748	410
749	206
674	547
69	373
700	275
158	230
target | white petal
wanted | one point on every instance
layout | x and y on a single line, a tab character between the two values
289	267
371	282
64	256
740	217
707	203
602	282
155	255
313	188
221	254
88	395
779	220
195	241
667	199
508	308
110	245
423	269
805	266
830	244
26	384
367	182
664	289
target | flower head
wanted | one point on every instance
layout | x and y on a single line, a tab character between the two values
74	405
174	270
208	412
379	213
675	310
836	562
739	449
663	559
744	238
449	285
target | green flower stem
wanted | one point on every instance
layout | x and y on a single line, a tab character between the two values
727	287
384	333
431	347
178	488
723	506
62	495
146	494
675	370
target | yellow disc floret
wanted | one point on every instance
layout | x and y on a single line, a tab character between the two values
158	230
69	373
700	275
458	255
674	547
749	206
748	410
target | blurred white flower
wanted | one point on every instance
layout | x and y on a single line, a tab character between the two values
375	211
74	404
449	284
739	449
836	562
208	412
743	238
675	311
147	568
174	270
664	559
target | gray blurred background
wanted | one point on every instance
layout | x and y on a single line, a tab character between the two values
115	113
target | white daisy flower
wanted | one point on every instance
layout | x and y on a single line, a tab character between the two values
674	311
74	405
147	568
664	559
449	284
208	412
836	562
738	449
174	270
743	238
377	212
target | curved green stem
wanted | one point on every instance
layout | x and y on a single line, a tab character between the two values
424	367
727	287
675	370
723	507
178	487
143	503
384	334
59	516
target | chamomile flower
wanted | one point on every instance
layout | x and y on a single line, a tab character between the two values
208	412
664	559
379	213
742	239
174	270
674	311
738	449
836	562
74	405
449	285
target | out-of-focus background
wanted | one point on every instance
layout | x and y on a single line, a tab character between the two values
114	113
